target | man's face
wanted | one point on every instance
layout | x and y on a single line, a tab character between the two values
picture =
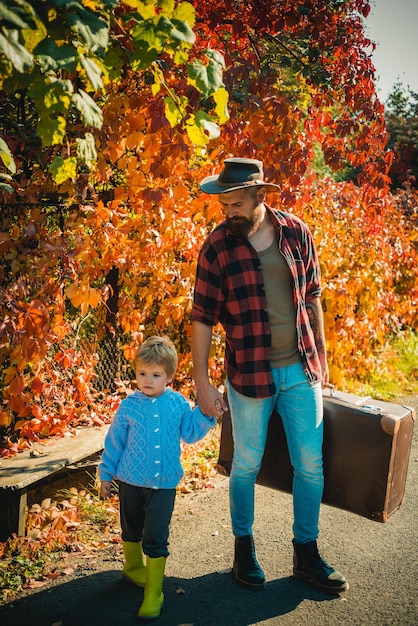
243	210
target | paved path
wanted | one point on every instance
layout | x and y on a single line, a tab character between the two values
379	560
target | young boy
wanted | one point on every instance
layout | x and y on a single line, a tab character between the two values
142	450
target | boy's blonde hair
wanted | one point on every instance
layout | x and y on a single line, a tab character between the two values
158	351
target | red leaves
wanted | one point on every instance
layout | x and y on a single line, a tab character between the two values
37	385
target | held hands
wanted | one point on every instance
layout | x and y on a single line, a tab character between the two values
105	488
210	401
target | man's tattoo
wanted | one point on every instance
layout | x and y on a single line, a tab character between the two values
315	320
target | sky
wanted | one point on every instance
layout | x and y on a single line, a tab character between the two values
393	25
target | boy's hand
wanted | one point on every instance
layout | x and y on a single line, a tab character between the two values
105	488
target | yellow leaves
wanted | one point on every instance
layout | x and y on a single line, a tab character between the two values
63	169
201	128
221	99
185	11
175	109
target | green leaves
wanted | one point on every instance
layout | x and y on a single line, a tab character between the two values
86	150
163	30
88	109
53	98
92	30
14	51
158	33
18	17
93	72
57	56
207	78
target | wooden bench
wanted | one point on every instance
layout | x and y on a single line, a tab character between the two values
25	471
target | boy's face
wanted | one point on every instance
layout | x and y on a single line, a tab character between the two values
151	379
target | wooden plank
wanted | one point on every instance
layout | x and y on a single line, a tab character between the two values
23	470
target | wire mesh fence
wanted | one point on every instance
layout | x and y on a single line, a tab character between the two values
111	366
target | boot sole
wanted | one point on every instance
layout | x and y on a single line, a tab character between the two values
248	585
150	618
319	586
128	580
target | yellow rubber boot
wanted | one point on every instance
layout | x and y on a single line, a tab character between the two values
150	609
134	570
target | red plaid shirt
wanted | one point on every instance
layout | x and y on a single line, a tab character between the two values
229	289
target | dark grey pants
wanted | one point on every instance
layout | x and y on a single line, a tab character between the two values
145	515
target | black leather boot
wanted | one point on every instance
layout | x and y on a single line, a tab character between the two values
246	569
308	565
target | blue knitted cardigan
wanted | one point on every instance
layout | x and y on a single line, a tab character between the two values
142	446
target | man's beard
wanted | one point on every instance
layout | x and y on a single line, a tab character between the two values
241	226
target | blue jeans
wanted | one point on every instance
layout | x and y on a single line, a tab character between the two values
300	406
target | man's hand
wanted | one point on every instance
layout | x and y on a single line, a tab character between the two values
210	401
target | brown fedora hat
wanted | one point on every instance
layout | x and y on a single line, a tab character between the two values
237	174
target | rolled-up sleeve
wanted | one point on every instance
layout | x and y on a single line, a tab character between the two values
208	297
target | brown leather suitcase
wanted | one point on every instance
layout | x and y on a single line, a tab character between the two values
366	454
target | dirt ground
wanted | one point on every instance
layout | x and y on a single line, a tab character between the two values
379	561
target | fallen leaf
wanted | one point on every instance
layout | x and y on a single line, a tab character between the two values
35	453
33	584
68	571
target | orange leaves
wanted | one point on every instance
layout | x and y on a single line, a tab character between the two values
83	296
140	210
361	269
33	319
129	352
5	418
64	359
17	385
50	515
